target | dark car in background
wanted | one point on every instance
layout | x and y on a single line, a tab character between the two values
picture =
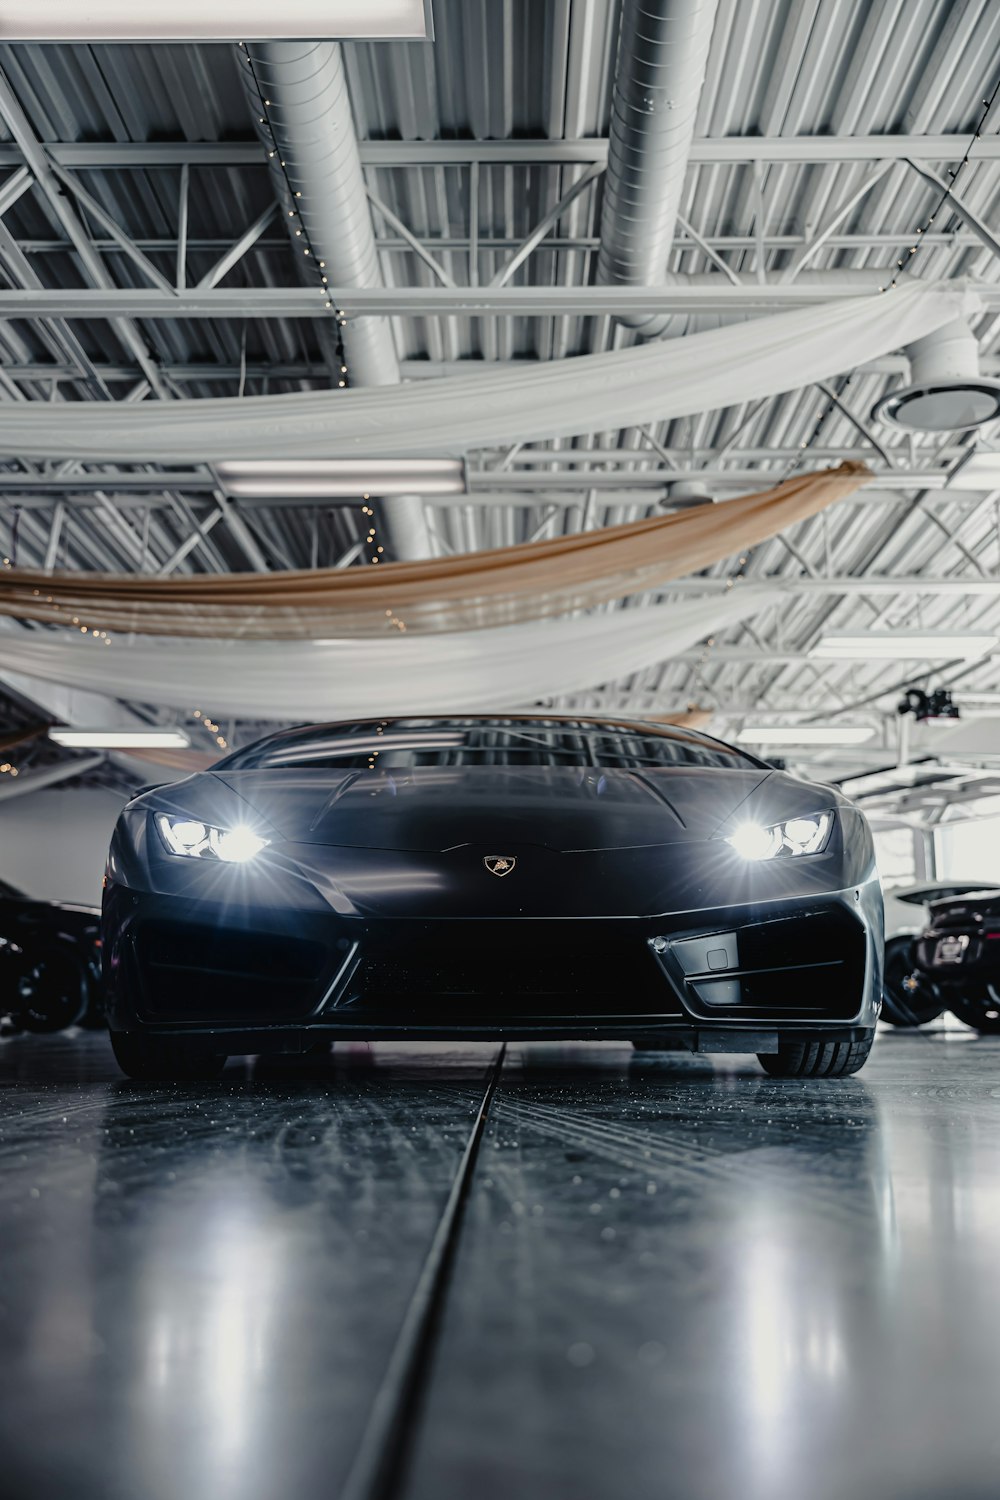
910	996
492	877
50	962
959	952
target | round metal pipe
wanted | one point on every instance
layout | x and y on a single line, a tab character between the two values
662	51
304	89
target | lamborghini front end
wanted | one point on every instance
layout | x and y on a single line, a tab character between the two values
695	904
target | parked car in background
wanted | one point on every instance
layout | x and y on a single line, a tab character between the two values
959	953
50	962
911	996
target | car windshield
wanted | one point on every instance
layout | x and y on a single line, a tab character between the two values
409	743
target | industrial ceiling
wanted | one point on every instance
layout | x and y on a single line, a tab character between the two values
135	174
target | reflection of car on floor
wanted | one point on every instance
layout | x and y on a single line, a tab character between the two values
959	952
50	961
488	877
911	997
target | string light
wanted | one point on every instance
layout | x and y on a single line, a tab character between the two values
830	405
6	769
211	727
301	232
953	175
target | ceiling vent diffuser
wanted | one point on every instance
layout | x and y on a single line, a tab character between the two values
947	392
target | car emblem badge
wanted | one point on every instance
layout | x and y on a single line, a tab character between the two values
499	864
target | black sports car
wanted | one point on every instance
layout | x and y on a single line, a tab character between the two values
960	952
492	877
50	961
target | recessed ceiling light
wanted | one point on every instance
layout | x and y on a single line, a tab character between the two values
904	645
211	20
947	392
805	734
120	739
948	406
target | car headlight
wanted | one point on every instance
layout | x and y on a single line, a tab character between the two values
808	835
233	846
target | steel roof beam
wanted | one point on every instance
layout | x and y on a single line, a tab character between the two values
401	243
706	149
433	301
644	486
413	369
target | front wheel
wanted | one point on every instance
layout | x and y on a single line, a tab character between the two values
164	1057
980	1009
909	998
50	991
817	1059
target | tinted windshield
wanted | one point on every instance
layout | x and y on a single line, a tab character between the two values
407	743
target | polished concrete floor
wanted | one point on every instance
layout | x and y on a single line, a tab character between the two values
662	1278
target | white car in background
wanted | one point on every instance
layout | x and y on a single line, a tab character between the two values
910	998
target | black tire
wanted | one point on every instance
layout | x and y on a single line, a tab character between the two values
94	1018
909	998
817	1059
49	991
980	1010
164	1058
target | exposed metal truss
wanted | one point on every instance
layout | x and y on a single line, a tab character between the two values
135	155
428	301
140	258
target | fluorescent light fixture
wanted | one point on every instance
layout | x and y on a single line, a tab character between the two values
904	645
980	471
120	739
805	734
211	20
310	478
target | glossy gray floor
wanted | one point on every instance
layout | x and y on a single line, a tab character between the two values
671	1279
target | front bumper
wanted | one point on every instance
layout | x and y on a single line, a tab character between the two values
257	979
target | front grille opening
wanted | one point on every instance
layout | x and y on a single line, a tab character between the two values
479	968
201	974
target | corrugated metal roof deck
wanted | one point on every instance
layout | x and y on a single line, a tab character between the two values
511	69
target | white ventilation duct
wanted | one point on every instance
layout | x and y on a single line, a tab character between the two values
946	391
310	115
662	51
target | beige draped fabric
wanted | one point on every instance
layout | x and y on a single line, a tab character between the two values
472	591
186	762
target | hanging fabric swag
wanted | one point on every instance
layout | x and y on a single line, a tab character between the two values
344	679
471	591
555	398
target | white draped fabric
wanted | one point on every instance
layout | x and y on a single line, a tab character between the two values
346	679
557	398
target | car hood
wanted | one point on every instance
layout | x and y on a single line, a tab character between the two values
437	808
